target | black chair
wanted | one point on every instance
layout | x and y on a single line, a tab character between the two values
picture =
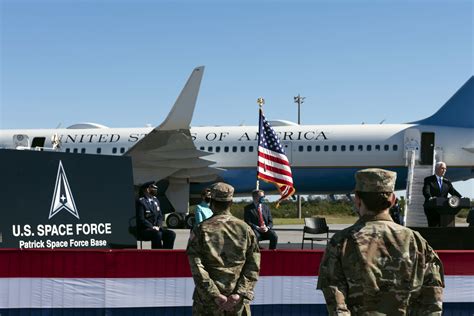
315	226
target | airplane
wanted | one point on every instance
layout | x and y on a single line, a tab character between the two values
323	158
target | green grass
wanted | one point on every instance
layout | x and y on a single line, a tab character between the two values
338	212
334	219
463	213
287	221
330	219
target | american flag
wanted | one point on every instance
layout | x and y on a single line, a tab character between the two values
273	165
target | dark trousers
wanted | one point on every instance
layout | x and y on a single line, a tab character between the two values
162	239
269	235
433	217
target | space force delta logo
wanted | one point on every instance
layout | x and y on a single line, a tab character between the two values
62	197
62	235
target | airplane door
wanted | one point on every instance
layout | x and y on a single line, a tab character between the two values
38	142
288	151
427	148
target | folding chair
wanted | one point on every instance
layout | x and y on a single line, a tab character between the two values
315	226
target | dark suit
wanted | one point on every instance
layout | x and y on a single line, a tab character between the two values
251	217
431	189
149	215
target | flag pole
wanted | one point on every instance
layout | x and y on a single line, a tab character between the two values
260	102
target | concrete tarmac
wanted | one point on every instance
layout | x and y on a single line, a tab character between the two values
289	237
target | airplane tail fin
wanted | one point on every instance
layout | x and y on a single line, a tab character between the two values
181	114
458	111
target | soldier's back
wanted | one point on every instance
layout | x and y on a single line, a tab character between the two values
227	249
225	240
224	235
383	264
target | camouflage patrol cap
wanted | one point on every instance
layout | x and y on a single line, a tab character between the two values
221	191
375	180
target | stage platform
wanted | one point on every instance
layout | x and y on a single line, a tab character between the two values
452	238
159	282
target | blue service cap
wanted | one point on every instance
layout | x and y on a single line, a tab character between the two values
149	184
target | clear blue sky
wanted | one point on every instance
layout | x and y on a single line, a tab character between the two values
123	63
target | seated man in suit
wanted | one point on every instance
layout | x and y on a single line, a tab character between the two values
436	186
150	219
258	216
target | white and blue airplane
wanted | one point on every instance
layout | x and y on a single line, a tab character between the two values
324	158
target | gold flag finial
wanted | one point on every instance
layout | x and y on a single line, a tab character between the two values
260	101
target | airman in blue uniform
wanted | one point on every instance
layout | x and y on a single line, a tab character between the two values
150	219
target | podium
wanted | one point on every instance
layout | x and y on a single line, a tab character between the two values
447	208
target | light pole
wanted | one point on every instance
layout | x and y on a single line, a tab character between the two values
299	100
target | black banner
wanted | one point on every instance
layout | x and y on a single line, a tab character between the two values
62	200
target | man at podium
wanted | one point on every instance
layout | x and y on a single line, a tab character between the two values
436	186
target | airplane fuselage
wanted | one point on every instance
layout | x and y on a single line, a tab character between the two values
323	157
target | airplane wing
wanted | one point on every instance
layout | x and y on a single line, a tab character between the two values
168	150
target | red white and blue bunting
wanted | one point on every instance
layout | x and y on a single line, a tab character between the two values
135	282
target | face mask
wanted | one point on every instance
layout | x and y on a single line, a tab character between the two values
261	199
207	200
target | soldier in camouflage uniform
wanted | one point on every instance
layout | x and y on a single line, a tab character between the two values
224	258
377	267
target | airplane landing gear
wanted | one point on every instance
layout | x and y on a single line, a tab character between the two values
175	220
189	220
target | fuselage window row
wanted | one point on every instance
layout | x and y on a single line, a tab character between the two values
234	149
115	150
317	148
217	149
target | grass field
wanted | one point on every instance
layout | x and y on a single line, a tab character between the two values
335	219
338	212
330	219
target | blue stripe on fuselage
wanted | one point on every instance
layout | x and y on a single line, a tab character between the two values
319	180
